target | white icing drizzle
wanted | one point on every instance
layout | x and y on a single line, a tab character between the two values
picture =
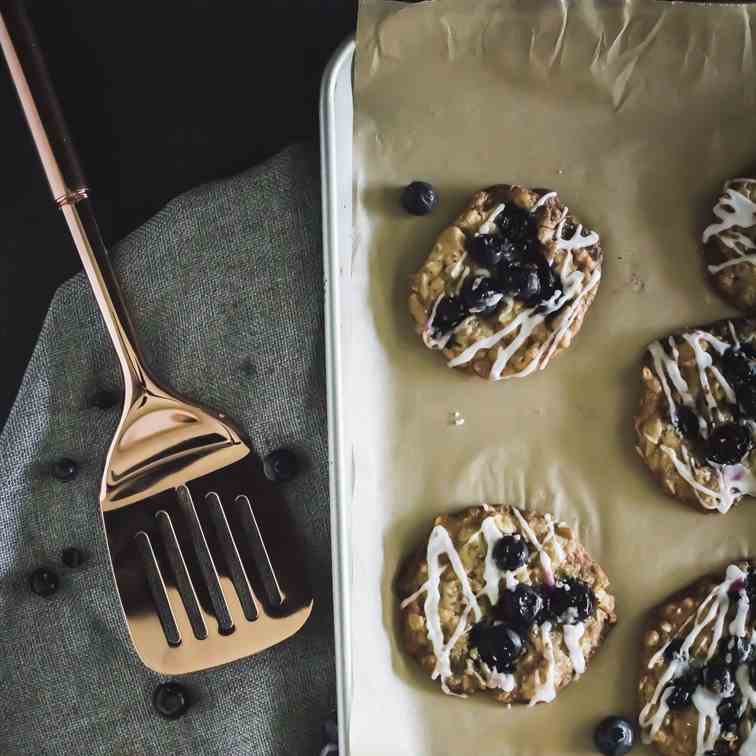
650	723
548	571
545	690
457	269
551	538
703	361
491	573
488	226
734	334
706	702
567	321
713	609
578	240
734	211
416	595
729	263
664	366
543	200
440	543
428	339
738	624
427	334
498	680
572	636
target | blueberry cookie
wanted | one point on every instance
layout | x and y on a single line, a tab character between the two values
504	601
506	287
696	424
730	244
698	668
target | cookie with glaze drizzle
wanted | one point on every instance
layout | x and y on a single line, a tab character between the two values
698	668
519	635
697	418
540	270
730	244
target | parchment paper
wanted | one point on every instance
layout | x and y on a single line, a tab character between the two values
636	113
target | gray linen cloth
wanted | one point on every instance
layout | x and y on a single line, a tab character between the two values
224	286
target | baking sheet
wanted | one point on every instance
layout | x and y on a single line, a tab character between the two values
636	113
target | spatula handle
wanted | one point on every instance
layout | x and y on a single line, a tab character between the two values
67	184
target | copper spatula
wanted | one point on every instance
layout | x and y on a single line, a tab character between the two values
204	558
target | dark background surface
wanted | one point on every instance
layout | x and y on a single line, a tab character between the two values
159	97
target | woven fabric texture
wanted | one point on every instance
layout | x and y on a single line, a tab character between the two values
225	289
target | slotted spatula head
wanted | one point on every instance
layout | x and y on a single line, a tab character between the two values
204	556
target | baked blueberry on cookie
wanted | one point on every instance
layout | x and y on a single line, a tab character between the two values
698	668
504	601
506	287
730	244
697	418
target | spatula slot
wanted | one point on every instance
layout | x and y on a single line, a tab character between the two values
157	589
184	583
231	555
260	555
205	561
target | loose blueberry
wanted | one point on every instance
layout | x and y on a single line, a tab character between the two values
490	250
43	582
481	295
687	422
571	601
64	469
499	646
281	465
681	695
672	651
449	313
510	552
746	396
522	606
170	700
419	198
614	736
736	366
718	679
728	444
522	282
515	223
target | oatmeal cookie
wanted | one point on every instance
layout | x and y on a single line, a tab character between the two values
698	668
730	244
506	287
504	601
695	426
